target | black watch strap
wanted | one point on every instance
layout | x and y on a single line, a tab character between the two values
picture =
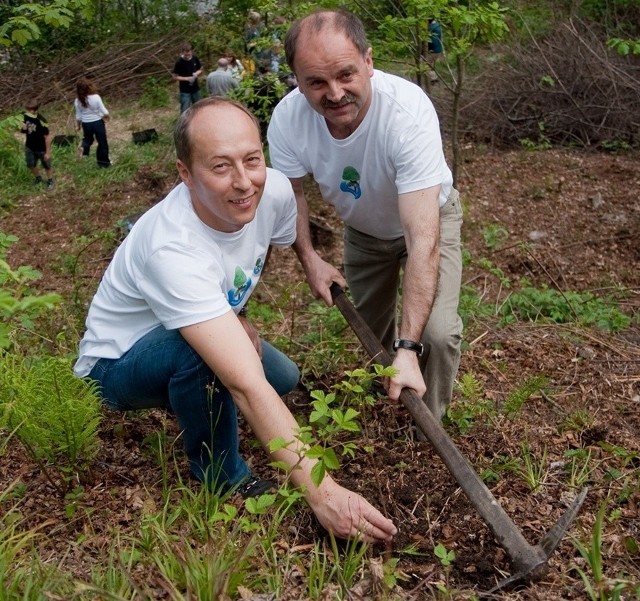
410	345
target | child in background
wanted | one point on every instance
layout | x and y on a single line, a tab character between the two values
37	143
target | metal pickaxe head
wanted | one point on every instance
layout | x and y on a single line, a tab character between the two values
529	561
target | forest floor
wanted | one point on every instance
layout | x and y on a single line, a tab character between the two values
569	220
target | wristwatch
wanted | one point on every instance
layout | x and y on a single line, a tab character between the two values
410	345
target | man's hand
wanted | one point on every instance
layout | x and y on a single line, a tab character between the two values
409	375
252	333
348	515
320	276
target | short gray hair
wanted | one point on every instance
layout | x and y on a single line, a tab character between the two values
339	20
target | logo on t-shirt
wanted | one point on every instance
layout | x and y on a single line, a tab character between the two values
351	182
241	285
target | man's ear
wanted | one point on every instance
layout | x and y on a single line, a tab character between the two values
369	60
185	174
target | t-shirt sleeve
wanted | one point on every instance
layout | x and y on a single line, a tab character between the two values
281	140
44	125
101	107
183	286
419	160
284	231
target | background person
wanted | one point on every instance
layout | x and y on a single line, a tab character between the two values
165	327
235	66
91	117
372	142
220	82
434	47
37	146
186	72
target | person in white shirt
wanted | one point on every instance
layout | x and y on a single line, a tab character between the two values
91	116
372	142
166	327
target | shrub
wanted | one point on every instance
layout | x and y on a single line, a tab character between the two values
54	414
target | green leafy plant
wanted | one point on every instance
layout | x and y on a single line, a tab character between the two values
333	416
580	467
54	414
517	398
597	586
445	556
154	93
538	304
532	470
494	235
542	143
19	305
464	413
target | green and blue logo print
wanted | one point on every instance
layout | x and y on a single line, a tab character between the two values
351	182
241	285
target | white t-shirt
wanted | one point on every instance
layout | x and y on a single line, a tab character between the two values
94	111
396	149
174	270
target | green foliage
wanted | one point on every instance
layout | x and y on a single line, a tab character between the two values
54	414
542	143
155	93
471	306
332	417
534	304
494	236
25	22
260	94
463	414
597	586
19	306
625	47
327	333
11	159
446	557
532	470
514	401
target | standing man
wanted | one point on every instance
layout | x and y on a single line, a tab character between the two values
221	81
166	327
186	72
372	142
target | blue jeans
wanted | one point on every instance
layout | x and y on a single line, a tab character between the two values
187	99
161	370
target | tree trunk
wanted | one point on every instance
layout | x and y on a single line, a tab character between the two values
455	117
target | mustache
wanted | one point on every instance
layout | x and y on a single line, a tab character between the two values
346	99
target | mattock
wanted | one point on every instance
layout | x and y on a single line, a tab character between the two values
529	561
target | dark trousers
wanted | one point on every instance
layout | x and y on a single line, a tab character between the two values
98	131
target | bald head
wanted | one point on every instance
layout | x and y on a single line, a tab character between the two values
325	20
182	135
223	63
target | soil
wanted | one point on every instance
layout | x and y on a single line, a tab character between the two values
573	223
